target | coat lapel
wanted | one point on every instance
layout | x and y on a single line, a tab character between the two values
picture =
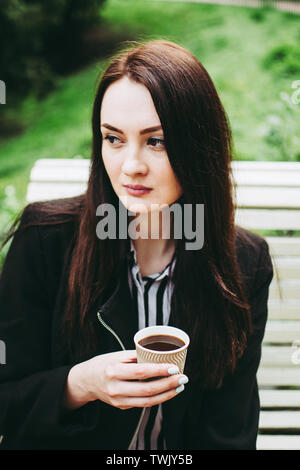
119	314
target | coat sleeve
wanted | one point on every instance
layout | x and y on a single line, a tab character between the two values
230	415
30	389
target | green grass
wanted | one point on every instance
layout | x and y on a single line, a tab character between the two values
58	127
237	45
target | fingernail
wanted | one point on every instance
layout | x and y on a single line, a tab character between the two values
180	388
183	380
173	370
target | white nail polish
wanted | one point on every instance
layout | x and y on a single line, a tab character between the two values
180	388
183	380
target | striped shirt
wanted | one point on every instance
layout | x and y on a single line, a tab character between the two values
152	299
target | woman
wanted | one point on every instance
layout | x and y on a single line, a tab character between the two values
72	300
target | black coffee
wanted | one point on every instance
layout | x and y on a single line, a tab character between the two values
161	342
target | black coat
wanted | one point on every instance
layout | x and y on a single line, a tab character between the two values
33	379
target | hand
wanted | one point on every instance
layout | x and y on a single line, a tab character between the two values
117	379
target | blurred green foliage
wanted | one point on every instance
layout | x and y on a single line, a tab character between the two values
40	39
284	60
9	209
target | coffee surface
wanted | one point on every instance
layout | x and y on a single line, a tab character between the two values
161	342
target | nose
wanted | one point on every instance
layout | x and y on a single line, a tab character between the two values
133	163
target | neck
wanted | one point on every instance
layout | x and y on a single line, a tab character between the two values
154	225
154	246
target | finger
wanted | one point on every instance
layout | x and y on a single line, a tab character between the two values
141	371
141	402
129	356
121	356
148	388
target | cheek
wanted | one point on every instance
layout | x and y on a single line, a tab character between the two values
111	167
169	183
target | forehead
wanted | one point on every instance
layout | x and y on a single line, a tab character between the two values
127	103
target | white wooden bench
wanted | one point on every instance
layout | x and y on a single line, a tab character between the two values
268	198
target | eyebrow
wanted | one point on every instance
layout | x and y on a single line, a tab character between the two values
143	131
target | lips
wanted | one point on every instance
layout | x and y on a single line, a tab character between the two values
137	189
137	186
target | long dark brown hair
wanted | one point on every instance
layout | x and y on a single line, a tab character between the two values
199	146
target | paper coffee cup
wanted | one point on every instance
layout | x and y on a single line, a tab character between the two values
176	356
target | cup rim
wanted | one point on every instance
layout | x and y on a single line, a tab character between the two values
183	333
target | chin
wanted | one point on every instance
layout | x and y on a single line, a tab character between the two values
135	204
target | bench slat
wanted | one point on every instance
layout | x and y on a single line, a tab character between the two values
62	162
283	310
47	191
282	331
277	442
288	377
265	166
279	398
277	356
284	246
263	219
254	177
287	267
279	420
273	197
62	174
257	177
285	289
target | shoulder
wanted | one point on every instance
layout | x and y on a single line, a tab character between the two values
42	243
47	227
254	259
53	212
248	243
55	216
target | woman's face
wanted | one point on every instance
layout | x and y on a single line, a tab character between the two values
133	148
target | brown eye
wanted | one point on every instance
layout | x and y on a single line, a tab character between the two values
154	141
110	138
